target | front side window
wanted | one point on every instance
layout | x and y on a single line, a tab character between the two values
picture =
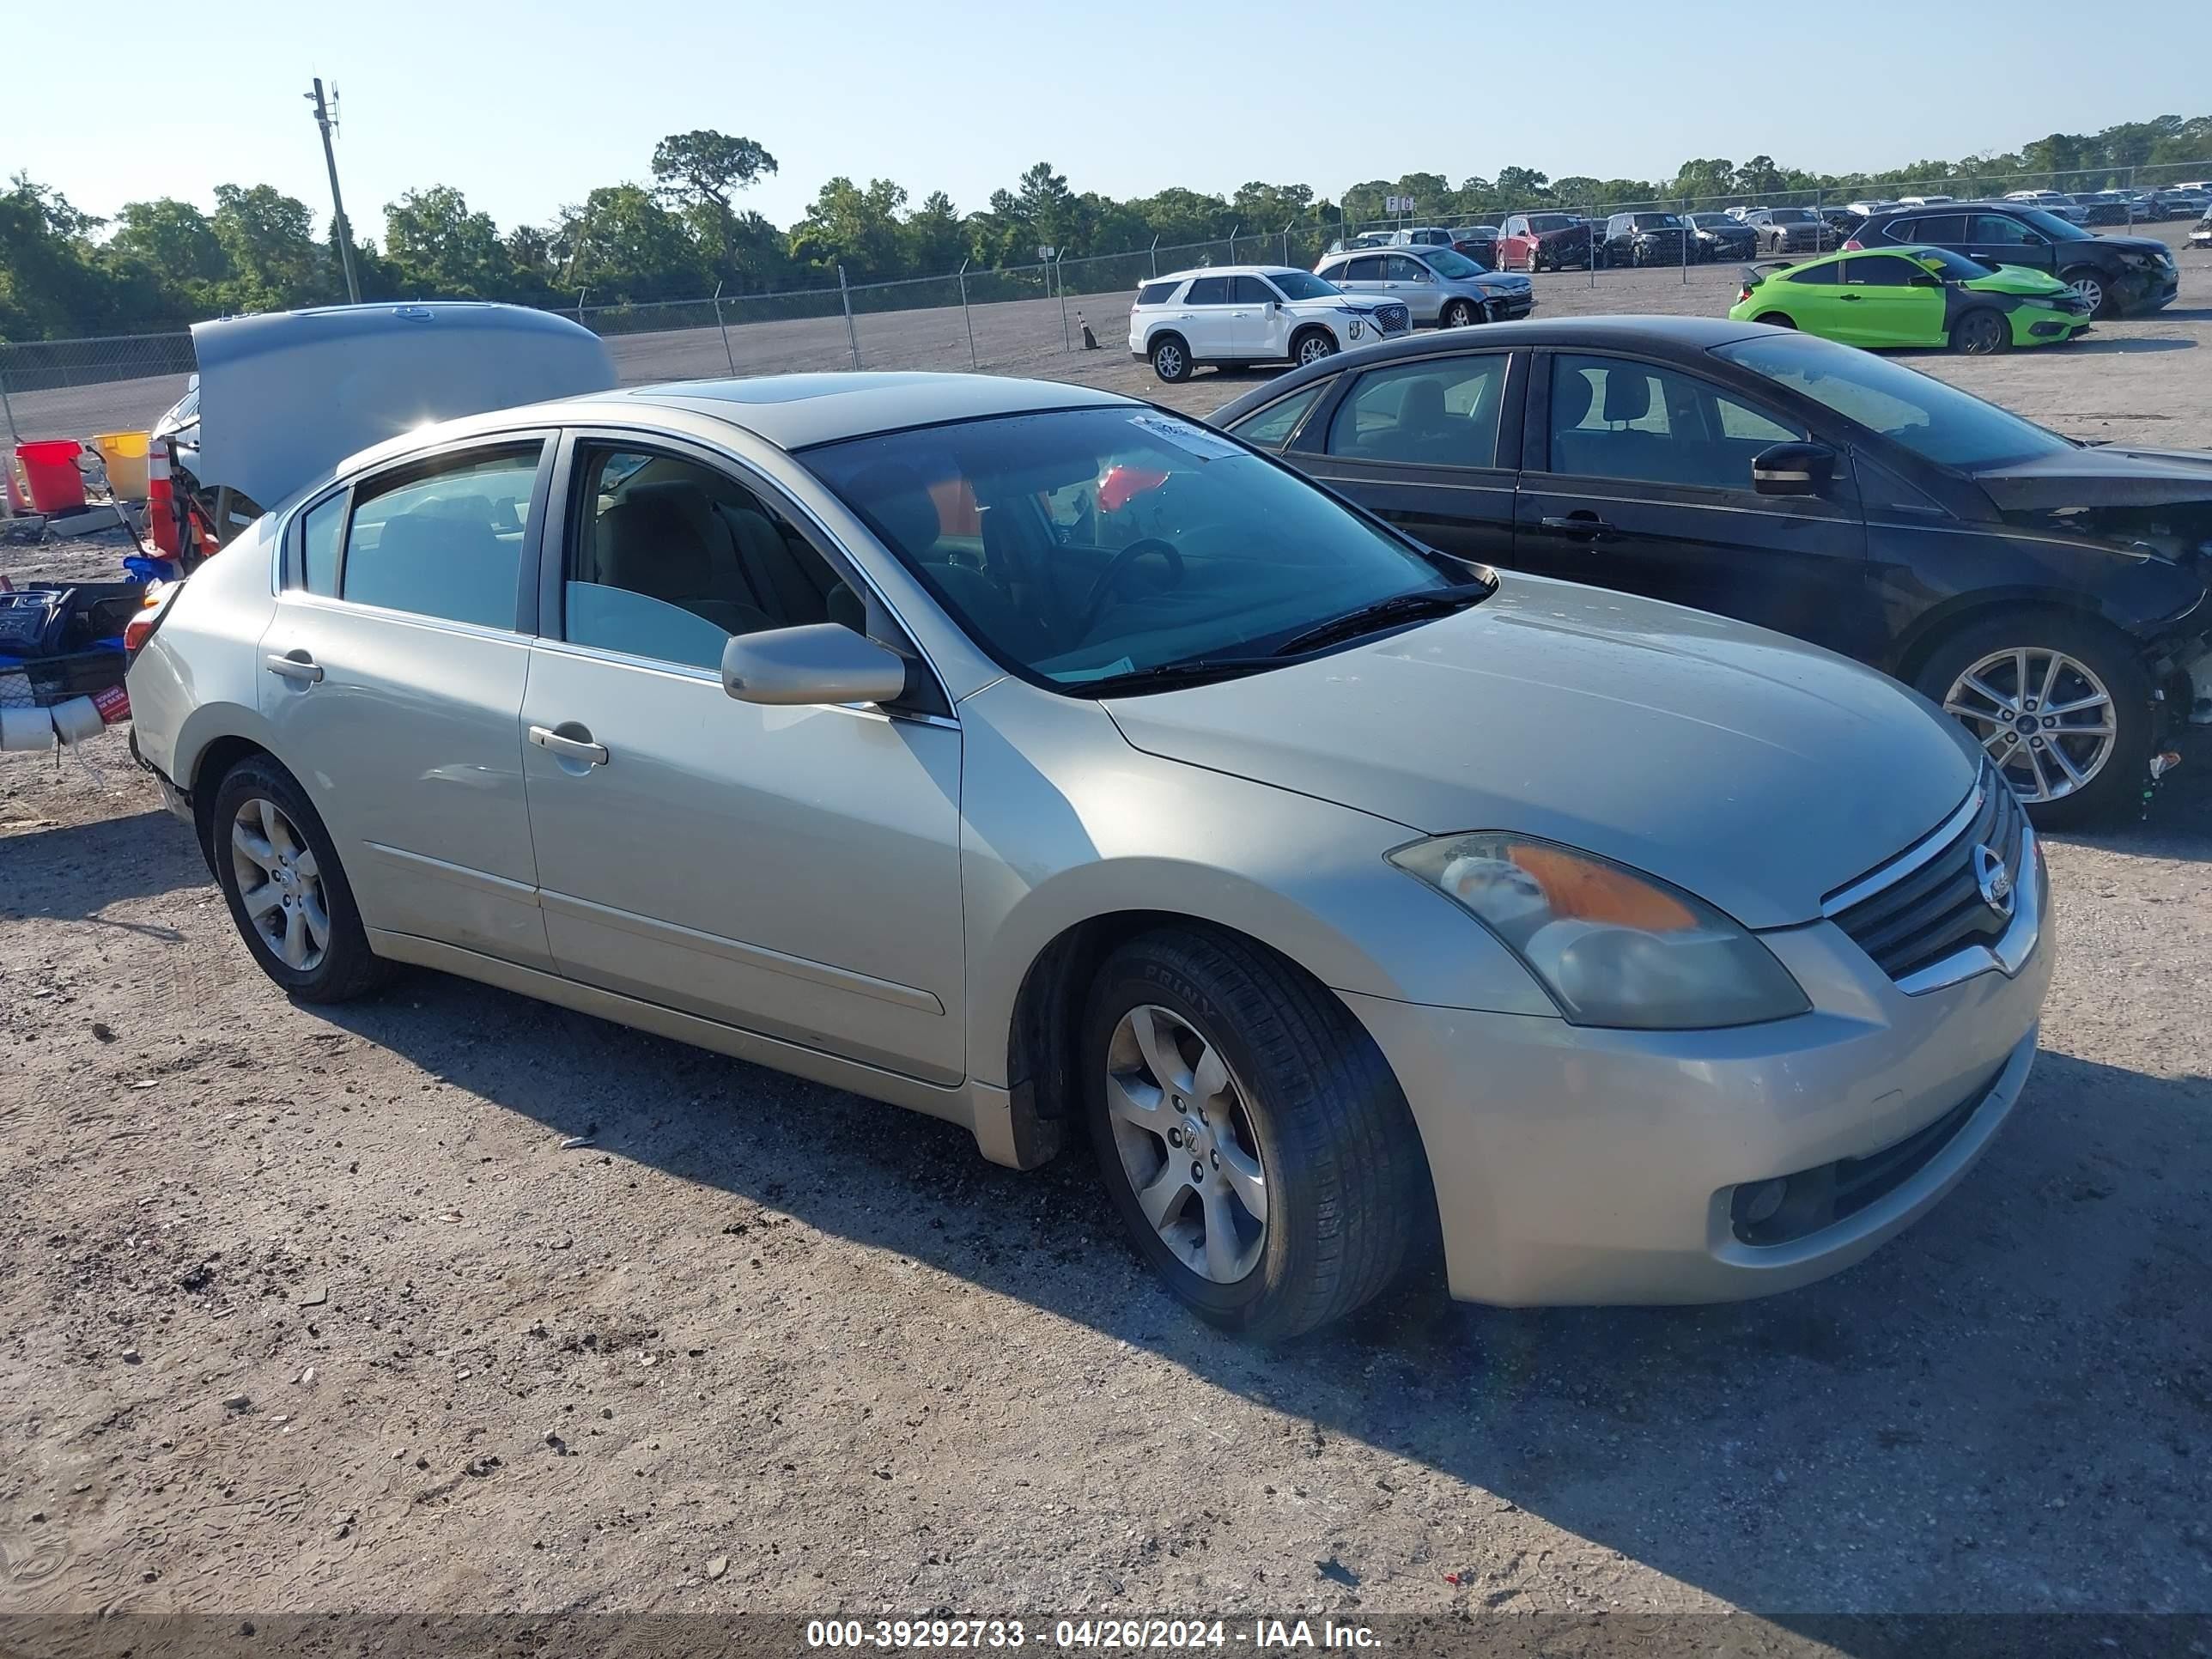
1615	419
1271	428
321	534
1302	284
1403	269
668	559
1208	291
444	539
1426	414
1879	271
1453	267
1935	421
1996	228
1117	539
1366	269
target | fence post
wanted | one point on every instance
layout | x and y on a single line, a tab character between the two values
1687	234
1059	281
1286	241
1589	219
1156	257
580	292
1233	229
965	318
720	325
845	297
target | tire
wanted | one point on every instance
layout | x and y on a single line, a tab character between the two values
1531	267
1305	1101
2090	283
1462	313
282	824
1777	319
1170	358
1981	333
1311	346
2109	665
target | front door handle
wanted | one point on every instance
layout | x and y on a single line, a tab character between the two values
1585	524
297	666
1849	299
569	748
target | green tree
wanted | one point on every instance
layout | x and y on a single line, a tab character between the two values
699	173
436	248
932	238
854	227
621	245
268	239
173	237
50	284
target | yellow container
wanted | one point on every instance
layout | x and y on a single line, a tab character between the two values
124	454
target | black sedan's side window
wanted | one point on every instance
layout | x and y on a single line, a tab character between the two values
1271	428
1433	413
1612	418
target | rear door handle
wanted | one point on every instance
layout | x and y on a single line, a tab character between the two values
1579	524
569	748
297	666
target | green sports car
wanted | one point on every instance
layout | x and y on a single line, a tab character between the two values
1913	296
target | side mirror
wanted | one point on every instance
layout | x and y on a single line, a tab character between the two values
1790	469
821	662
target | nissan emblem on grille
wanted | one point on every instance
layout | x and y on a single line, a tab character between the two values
1994	880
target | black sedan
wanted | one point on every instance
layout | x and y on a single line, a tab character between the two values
2118	275
1720	237
1642	239
2050	595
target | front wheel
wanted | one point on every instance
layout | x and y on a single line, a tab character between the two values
2090	287
1981	334
2062	706
1312	346
280	875
1249	1133
1170	359
1460	312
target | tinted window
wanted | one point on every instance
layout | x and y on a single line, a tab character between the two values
1258	554
1612	419
1425	414
1827	274
1271	428
669	558
1939	228
1249	291
1996	228
322	533
1455	266
1935	421
1208	291
1880	270
1403	269
1549	221
1156	294
445	540
1366	269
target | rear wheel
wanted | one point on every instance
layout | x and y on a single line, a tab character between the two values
2060	704
2090	286
287	894
1981	334
1460	312
1777	319
1251	1136
1171	358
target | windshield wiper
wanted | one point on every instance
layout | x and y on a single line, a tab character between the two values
1165	676
1399	607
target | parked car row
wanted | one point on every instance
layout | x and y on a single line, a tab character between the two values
1333	814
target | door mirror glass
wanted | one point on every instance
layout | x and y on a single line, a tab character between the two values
821	662
1792	469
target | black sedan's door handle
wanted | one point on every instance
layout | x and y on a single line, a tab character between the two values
1587	524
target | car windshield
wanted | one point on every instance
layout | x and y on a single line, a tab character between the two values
1790	216
1454	267
1302	285
1550	221
1709	220
1935	421
1077	546
2058	229
1655	222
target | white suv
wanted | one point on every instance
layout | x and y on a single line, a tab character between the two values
1251	314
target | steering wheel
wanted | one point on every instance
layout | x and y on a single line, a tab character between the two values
1102	589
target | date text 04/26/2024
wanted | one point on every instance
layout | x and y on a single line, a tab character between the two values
1104	1635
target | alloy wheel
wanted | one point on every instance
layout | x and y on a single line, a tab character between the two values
2090	289
279	884
1187	1143
1313	349
1168	360
2045	718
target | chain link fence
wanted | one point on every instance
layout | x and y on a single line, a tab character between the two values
1033	316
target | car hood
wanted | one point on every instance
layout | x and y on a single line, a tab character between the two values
2149	245
1757	772
2099	475
2019	279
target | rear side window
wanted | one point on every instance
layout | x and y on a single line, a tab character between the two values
1156	294
445	540
1424	414
1941	228
1271	428
321	534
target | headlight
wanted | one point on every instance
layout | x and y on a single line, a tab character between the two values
1612	947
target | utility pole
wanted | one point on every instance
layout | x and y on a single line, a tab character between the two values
337	201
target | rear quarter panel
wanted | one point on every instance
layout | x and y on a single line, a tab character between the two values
197	679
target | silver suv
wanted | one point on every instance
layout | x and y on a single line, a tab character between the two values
1438	286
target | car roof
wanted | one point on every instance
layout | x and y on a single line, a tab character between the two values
1224	270
792	412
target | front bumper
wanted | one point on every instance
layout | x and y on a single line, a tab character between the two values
2147	290
1577	1165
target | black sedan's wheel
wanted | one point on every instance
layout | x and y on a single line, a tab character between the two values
2060	704
281	878
1171	358
1252	1138
1460	312
1981	334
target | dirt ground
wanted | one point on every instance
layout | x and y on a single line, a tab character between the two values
307	1309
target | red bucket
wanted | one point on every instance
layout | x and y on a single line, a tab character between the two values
50	469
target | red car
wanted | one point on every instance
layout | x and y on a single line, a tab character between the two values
1543	242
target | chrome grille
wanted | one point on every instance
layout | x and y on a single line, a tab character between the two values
1392	319
1935	908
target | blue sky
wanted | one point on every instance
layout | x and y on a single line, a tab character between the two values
525	107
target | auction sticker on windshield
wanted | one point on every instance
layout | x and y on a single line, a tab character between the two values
1191	440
